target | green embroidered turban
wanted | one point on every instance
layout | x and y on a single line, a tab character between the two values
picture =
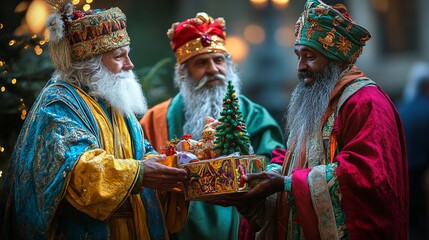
331	31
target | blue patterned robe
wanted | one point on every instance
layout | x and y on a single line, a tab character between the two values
58	130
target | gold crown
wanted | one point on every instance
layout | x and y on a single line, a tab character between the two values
97	33
195	47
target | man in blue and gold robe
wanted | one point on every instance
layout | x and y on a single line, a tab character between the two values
77	171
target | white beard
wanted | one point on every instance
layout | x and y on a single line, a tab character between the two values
201	101
121	91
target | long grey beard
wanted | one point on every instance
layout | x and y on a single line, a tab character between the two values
201	101
308	104
121	91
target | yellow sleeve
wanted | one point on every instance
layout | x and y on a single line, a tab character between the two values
100	183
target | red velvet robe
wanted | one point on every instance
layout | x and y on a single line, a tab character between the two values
372	172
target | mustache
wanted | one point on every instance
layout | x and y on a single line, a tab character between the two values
126	74
307	74
206	79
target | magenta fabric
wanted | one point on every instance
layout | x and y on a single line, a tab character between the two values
301	193
248	228
278	156
372	177
372	170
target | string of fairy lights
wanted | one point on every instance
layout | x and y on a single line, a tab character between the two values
34	42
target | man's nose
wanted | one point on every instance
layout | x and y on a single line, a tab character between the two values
302	66
128	65
212	67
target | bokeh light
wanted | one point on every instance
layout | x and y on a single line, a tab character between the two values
86	7
38	50
259	3
285	36
254	34
380	5
36	16
280	3
237	47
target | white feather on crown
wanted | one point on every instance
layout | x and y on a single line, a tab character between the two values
59	48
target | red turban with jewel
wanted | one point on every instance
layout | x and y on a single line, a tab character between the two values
198	35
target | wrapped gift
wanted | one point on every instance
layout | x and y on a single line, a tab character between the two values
213	178
170	161
217	163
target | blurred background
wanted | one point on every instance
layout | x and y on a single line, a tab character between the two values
260	39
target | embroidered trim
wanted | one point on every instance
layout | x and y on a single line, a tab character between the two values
288	183
199	46
322	202
344	45
328	40
275	168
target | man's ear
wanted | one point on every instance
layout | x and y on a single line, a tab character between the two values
342	65
182	69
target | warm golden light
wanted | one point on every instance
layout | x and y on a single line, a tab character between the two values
23	109
26	46
3	88
2	63
1	25
38	50
237	47
41	42
21	7
13	81
380	5
259	3
1	149
11	42
86	7
46	35
36	16
75	2
280	3
285	36
254	34
4	72
88	1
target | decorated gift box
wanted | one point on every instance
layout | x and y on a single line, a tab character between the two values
218	161
214	178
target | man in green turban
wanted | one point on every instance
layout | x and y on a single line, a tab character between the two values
344	173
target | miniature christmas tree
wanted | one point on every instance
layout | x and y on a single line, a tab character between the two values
231	133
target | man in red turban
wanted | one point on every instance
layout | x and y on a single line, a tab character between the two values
202	71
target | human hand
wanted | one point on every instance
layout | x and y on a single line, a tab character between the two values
161	177
268	184
235	199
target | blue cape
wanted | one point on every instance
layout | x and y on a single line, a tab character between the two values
58	129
